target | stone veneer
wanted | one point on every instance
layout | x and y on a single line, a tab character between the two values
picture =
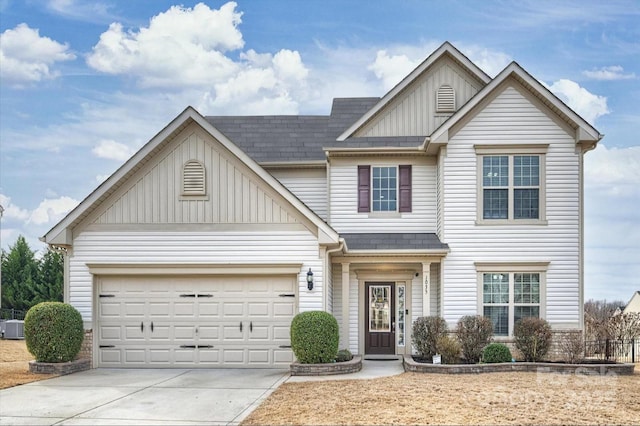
352	366
60	368
86	350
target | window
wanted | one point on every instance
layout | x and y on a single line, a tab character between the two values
384	188
507	297
511	185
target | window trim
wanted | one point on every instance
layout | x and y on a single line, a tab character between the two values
511	269
404	189
510	151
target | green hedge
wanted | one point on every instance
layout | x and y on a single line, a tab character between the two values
314	337
53	332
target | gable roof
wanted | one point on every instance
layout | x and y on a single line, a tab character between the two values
61	233
585	132
445	49
291	138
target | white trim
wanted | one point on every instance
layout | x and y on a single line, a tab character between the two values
193	269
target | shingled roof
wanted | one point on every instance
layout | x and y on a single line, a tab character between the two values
403	241
291	138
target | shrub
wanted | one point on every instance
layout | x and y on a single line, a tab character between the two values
572	347
53	332
314	337
344	355
474	333
496	352
533	338
449	349
426	331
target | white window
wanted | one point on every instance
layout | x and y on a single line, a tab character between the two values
508	296
384	185
511	187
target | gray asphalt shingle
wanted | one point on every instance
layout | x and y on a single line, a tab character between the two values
402	241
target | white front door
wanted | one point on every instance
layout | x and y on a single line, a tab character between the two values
217	321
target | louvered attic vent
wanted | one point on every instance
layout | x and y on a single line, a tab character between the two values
445	99
193	178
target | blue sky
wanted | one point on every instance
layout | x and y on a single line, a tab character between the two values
85	84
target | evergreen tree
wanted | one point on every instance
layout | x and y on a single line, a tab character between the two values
51	278
20	271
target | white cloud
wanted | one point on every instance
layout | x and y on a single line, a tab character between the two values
614	72
11	211
391	69
180	47
86	11
585	103
613	171
51	211
112	150
489	61
27	57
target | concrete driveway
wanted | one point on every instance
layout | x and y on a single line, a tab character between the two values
140	397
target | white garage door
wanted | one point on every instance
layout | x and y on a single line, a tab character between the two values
221	321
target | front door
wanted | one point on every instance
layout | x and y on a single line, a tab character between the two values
380	336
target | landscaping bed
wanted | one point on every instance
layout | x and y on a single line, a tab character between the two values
14	364
352	366
589	367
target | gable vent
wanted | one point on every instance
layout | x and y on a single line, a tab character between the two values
193	178
445	99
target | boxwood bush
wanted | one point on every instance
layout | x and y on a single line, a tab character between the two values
344	355
533	338
314	337
496	352
474	333
53	332
425	334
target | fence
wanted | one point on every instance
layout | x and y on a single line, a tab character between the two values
9	314
614	350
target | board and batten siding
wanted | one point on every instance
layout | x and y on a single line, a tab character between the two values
234	194
344	216
512	118
309	185
179	247
413	112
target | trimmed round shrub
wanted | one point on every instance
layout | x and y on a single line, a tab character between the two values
449	349
496	352
53	332
314	337
344	355
533	338
425	334
474	333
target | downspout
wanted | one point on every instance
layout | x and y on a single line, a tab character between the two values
326	262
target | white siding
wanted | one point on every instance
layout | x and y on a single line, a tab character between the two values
344	216
512	118
234	194
309	185
267	248
413	112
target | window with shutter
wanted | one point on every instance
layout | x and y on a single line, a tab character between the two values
193	178
404	172
445	99
384	189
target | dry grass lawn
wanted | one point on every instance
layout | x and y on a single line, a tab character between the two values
488	399
14	364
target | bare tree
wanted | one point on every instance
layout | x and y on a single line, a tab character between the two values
597	315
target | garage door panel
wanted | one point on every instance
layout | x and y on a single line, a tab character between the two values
211	314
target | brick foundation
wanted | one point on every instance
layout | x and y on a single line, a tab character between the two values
86	350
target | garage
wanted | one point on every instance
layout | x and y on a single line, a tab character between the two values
194	321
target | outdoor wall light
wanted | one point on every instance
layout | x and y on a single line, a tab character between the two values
310	280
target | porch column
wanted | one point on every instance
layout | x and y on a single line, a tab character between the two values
426	294
345	305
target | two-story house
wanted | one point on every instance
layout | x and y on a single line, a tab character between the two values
453	194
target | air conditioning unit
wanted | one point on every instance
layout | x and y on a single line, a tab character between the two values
14	329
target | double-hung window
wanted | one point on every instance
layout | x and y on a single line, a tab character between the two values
384	188
511	185
508	296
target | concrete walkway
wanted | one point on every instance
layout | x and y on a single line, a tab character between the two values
140	397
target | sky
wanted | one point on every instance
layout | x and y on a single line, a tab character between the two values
84	84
